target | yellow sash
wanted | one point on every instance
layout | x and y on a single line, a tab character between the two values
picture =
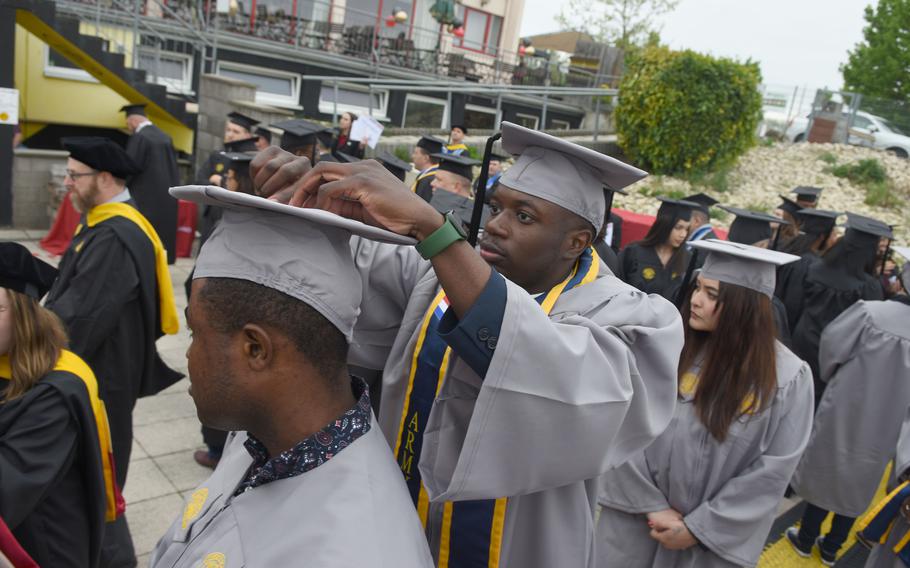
166	306
72	363
431	171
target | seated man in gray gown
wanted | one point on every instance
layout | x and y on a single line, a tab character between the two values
306	478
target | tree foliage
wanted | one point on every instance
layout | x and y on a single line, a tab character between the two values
624	23
878	65
684	112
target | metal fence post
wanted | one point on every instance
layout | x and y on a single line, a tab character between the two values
543	114
134	57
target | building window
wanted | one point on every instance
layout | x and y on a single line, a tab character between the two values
424	112
479	118
173	70
527	120
353	98
556	124
58	66
276	88
482	30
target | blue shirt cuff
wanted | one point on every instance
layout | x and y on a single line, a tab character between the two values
474	337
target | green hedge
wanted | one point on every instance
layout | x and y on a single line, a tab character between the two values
682	112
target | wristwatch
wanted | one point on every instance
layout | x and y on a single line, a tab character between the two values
439	240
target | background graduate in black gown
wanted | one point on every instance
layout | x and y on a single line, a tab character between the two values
54	495
153	151
238	137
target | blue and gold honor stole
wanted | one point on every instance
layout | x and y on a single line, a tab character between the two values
876	526
471	532
71	363
431	171
167	308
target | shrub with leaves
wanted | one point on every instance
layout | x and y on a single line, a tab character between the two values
683	112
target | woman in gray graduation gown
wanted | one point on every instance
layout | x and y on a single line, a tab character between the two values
704	493
865	361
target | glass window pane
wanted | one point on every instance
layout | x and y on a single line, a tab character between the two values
474	119
167	67
283	86
475	26
527	121
493	38
56	59
423	114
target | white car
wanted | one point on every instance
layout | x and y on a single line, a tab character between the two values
867	130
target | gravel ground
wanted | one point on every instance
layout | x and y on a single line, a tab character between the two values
766	171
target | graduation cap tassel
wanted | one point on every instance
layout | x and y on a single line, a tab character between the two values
684	288
481	190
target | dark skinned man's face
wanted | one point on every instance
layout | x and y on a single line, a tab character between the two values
527	238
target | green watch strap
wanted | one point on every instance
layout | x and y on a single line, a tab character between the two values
440	239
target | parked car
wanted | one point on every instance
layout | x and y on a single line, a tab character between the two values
867	130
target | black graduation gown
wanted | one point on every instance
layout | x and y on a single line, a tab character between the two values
52	494
605	252
350	147
214	164
828	292
791	283
424	189
153	151
107	296
641	267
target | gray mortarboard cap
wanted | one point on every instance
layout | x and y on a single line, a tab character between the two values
816	221
395	165
705	202
750	227
459	165
304	253
807	193
903	251
134	109
742	265
789	205
905	269
563	173
676	208
242	120
863	230
431	144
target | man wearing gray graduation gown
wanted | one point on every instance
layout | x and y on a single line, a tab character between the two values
334	498
562	398
865	360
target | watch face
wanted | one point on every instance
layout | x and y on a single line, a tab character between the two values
457	224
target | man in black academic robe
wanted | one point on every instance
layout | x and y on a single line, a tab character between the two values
112	301
238	137
152	150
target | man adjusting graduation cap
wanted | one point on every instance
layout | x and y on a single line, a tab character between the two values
475	348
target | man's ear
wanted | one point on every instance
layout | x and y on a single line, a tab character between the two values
577	240
258	347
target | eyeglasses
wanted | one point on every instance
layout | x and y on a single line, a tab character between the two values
77	175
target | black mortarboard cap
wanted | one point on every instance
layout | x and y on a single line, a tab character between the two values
346	158
499	156
431	144
807	193
862	229
264	133
134	109
444	201
242	120
750	227
298	133
398	167
328	157
245	145
789	205
704	201
460	165
21	272
816	221
676	208
461	127
102	154
326	136
238	159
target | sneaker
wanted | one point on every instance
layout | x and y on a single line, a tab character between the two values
205	459
828	558
792	535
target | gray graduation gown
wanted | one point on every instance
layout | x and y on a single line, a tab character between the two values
727	492
865	359
353	510
882	556
565	398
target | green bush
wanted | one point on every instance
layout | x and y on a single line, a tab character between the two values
828	158
864	172
680	111
403	153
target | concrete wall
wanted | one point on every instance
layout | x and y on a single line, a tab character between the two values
36	177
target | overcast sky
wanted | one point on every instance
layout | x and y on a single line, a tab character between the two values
797	42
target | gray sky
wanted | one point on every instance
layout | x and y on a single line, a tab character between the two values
797	42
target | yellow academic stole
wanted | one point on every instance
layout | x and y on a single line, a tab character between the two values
71	363
167	309
431	171
471	533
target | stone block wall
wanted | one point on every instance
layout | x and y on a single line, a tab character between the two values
36	175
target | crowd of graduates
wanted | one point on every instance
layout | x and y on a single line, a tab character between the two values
383	386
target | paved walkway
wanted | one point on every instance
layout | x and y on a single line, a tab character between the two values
166	431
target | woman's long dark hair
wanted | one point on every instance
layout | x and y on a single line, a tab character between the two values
855	257
804	243
739	369
659	234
